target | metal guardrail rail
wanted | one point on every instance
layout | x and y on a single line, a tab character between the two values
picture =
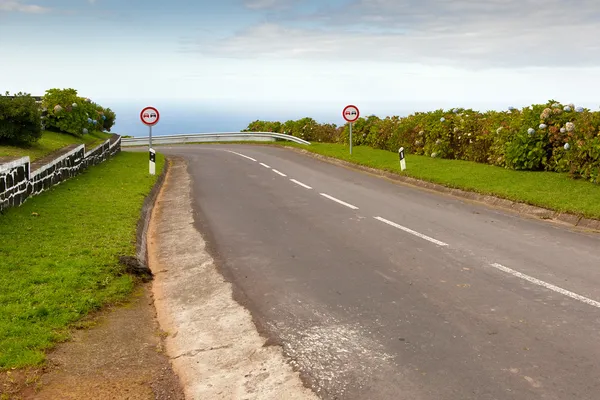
211	137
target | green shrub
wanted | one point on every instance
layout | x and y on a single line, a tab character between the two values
20	119
69	113
533	138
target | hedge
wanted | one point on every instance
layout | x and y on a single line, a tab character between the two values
19	119
69	113
551	136
22	119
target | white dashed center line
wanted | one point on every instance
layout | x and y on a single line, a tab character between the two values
547	285
279	173
300	184
241	155
405	229
265	165
339	201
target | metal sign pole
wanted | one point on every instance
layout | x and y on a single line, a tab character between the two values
350	137
152	154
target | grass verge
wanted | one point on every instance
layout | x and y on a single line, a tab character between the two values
543	189
52	141
59	255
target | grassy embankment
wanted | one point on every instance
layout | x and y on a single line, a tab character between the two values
52	141
59	255
544	189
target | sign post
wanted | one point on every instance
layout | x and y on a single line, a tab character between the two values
402	160
150	117
351	114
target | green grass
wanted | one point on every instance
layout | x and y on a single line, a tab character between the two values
544	189
51	141
59	255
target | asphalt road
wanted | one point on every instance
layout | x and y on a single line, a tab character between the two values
382	291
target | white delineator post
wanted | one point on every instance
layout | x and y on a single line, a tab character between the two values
152	162
402	158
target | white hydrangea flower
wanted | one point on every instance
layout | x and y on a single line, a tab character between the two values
570	126
579	109
57	108
567	146
531	131
543	126
434	155
442	119
563	130
567	109
85	131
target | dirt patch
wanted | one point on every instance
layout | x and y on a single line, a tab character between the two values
214	345
120	357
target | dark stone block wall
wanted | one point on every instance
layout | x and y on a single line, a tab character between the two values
17	182
14	182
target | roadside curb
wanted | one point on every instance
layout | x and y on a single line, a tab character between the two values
145	215
520	208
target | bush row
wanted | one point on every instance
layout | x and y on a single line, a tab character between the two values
19	119
22	119
551	136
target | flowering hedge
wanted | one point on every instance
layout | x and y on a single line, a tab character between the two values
551	136
66	112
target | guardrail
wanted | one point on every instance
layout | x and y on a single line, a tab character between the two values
211	137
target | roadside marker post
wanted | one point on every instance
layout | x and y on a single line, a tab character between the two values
351	114
402	158
150	117
152	162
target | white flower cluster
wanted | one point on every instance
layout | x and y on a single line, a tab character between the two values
570	126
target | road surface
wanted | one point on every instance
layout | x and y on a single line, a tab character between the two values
377	290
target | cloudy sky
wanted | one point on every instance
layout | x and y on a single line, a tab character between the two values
306	55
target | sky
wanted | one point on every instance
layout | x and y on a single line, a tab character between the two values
210	62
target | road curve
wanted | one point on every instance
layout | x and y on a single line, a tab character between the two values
382	291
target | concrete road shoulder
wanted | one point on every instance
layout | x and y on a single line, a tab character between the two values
212	342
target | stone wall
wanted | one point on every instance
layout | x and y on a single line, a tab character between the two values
14	181
20	179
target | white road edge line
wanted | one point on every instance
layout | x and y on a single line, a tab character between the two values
547	285
241	155
405	229
300	183
265	165
339	201
278	173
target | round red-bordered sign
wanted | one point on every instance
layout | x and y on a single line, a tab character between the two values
351	113
150	116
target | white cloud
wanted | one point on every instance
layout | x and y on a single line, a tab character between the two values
19	6
268	4
466	33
